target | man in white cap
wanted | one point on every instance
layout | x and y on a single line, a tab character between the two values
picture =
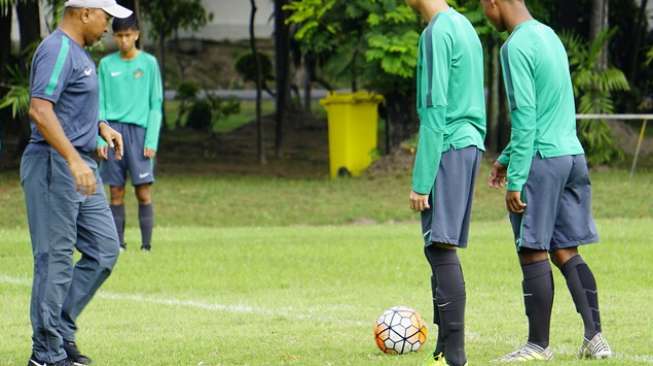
66	206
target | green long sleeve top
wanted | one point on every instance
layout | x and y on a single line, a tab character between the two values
131	92
450	94
541	99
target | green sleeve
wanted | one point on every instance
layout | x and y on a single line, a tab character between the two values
103	109
504	158
520	86
436	52
429	150
155	114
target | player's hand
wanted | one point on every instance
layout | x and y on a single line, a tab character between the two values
498	174
113	139
85	182
149	153
419	202
103	152
514	203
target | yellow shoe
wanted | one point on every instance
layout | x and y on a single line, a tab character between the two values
438	360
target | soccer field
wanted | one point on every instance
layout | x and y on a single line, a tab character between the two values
309	295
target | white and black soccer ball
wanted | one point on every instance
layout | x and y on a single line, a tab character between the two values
400	330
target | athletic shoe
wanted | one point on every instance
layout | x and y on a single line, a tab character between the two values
74	356
597	348
123	247
437	360
146	248
527	352
34	362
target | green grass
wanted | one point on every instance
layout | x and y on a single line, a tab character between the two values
270	271
309	296
217	200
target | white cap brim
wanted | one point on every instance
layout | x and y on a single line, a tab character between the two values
118	11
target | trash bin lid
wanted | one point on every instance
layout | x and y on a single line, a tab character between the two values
351	98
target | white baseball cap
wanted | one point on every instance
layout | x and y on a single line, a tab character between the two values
110	6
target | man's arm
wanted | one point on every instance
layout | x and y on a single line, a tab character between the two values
437	53
41	112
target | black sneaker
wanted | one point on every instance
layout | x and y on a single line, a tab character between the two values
146	248
123	247
74	356
34	362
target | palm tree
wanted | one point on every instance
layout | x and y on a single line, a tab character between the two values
594	84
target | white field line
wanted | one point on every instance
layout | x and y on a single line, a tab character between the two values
472	337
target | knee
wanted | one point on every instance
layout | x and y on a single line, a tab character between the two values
143	194
532	256
117	195
561	256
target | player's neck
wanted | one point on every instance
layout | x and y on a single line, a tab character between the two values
128	55
432	8
72	31
518	15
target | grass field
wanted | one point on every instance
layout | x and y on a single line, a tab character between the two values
268	271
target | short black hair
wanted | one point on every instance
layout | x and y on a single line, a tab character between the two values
129	23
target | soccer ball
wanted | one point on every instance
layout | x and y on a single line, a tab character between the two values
399	330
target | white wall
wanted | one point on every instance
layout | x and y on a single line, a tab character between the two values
231	20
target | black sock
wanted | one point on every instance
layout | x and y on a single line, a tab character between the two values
582	285
439	345
146	221
450	301
118	212
538	300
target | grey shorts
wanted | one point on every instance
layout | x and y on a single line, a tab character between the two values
140	169
558	195
447	221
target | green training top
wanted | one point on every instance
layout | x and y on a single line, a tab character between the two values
450	94
541	98
131	92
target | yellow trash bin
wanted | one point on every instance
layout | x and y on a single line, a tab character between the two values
353	123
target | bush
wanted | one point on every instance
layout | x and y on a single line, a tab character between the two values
200	116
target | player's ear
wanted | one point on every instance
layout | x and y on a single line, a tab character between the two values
85	15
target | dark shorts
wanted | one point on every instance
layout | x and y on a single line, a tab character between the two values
447	221
140	169
558	195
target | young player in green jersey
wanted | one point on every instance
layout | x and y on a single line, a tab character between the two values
549	191
131	97
451	109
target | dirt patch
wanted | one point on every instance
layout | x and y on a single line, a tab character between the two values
398	162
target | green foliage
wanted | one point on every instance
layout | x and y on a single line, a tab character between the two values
200	116
168	16
246	67
17	97
649	57
594	87
365	40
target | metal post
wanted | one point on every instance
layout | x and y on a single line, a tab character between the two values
639	145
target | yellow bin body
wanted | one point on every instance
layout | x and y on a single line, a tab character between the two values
353	123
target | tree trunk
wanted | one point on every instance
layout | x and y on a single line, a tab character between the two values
640	29
493	98
29	22
29	26
5	37
162	53
259	85
308	79
282	56
599	23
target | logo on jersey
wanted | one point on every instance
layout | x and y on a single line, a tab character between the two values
138	74
88	71
116	73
